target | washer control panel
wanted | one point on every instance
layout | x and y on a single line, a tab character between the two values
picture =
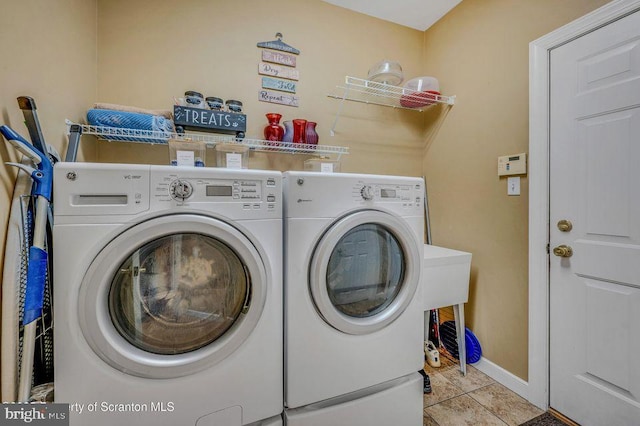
109	192
239	194
225	190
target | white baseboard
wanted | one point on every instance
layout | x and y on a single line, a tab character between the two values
502	376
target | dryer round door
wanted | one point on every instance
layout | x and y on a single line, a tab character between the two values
364	271
172	295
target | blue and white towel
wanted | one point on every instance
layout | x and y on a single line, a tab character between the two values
133	121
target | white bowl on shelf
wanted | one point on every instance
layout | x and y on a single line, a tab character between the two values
422	84
386	72
420	92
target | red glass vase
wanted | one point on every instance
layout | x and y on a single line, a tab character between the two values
274	131
299	130
311	136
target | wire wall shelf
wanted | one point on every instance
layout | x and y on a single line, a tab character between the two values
371	92
158	137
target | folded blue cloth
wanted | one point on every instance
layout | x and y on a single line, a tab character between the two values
133	121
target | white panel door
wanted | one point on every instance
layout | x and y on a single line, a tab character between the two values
595	184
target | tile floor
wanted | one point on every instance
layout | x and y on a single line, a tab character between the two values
475	400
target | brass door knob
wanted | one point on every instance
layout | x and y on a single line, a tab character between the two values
563	251
564	225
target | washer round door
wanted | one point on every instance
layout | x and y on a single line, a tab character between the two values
172	295
364	271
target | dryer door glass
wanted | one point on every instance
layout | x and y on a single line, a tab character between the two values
366	270
178	293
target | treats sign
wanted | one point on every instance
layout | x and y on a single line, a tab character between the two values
203	118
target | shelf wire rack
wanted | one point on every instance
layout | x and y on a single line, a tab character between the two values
211	140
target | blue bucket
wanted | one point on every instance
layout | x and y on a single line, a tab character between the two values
449	340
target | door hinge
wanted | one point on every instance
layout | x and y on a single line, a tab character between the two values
548	249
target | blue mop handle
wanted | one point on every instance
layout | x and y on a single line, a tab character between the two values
36	279
38	259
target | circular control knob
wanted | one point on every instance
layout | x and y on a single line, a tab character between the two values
367	192
180	190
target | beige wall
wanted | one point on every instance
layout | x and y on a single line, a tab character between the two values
49	53
479	52
152	51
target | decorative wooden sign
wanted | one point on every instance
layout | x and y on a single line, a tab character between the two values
279	45
278	71
278	84
204	119
279	58
278	98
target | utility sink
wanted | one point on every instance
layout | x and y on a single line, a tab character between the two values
445	277
445	282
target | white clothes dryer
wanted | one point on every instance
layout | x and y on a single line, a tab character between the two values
353	307
168	295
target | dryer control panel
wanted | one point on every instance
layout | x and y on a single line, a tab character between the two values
387	192
311	194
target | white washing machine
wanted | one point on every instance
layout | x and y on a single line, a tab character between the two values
168	295
353	306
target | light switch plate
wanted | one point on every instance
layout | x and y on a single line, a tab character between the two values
513	186
512	165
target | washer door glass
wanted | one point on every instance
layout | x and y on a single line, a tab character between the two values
364	271
178	293
172	295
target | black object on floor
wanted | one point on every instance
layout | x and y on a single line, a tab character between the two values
545	419
426	387
434	325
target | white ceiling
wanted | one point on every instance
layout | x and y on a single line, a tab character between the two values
417	14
